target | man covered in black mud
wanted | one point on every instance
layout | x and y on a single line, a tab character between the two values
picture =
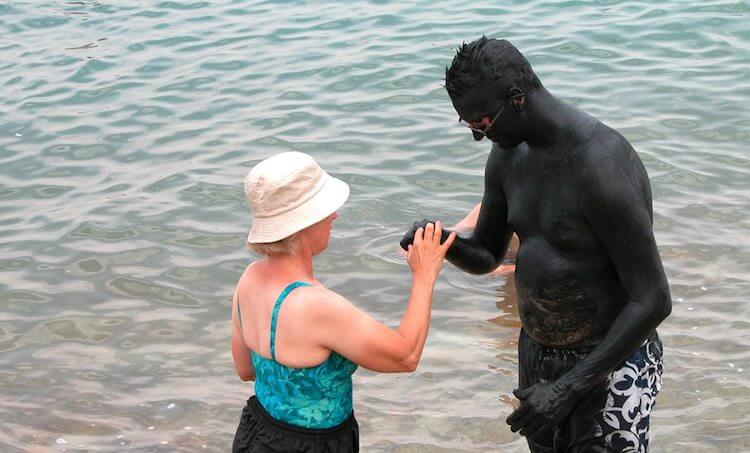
590	282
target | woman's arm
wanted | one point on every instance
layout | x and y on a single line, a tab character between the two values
343	328
240	351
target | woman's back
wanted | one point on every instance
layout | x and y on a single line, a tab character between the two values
307	385
300	343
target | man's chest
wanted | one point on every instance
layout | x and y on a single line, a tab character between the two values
543	201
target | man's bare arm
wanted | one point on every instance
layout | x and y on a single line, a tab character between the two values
482	249
470	221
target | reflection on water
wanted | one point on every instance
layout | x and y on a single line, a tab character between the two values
128	127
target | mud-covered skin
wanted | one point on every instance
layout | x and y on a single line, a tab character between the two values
569	292
588	271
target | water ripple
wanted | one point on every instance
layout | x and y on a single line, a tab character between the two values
128	127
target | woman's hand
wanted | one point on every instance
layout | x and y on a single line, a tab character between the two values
425	256
338	325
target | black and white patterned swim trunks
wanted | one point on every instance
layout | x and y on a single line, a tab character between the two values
632	390
613	416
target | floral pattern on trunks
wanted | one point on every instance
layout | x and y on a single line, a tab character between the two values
632	390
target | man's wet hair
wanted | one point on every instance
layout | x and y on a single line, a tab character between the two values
488	60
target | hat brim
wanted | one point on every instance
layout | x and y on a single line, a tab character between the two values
329	198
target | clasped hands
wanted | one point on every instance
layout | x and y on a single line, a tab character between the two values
543	406
408	238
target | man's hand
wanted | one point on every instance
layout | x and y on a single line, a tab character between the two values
543	406
408	238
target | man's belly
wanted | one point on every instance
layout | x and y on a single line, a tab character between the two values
566	302
562	323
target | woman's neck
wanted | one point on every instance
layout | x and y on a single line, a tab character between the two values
296	265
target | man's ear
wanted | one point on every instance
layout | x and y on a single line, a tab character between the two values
519	103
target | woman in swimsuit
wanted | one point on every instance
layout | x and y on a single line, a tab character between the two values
299	341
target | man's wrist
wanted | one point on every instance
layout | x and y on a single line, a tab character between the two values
577	385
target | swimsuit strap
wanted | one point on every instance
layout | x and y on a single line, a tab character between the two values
239	309
275	314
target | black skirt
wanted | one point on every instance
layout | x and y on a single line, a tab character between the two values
258	431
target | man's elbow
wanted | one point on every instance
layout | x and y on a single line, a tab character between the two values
475	256
662	304
666	308
478	266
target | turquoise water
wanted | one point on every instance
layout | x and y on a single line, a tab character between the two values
126	129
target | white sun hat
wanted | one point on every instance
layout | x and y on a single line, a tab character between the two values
289	192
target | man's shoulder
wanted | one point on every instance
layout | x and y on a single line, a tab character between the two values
608	168
501	166
603	147
597	138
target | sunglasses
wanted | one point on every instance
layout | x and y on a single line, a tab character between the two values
480	128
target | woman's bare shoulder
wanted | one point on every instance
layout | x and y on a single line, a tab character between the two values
249	282
321	300
326	312
252	269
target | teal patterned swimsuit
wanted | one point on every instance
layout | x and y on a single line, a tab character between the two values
314	397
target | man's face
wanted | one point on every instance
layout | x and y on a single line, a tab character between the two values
482	106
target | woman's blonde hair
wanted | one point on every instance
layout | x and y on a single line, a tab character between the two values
286	246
